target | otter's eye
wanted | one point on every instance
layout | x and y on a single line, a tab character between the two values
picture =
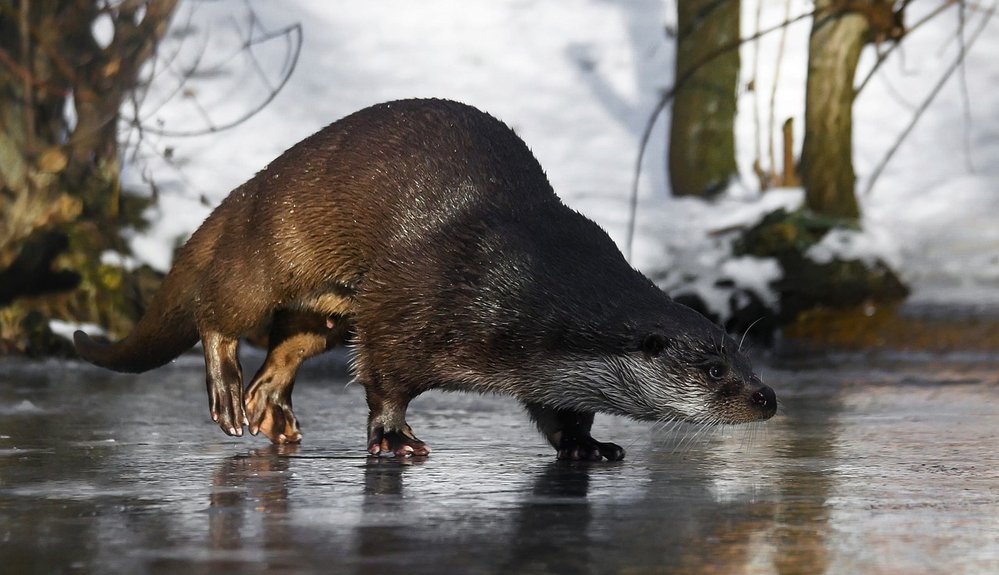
717	371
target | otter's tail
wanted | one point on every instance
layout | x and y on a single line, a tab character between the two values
166	330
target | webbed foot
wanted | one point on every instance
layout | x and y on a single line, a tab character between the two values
294	337
399	442
588	449
225	383
226	405
569	433
268	410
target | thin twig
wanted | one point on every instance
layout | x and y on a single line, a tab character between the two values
883	56
756	81
183	76
667	97
26	59
773	89
929	99
140	92
963	84
294	34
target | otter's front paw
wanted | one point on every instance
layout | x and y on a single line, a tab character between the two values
225	400
587	448
402	443
269	411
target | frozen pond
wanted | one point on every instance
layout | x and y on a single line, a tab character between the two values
871	467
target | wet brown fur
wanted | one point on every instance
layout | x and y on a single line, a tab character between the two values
428	231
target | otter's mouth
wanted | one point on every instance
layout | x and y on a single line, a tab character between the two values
748	405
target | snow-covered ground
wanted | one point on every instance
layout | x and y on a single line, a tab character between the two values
578	79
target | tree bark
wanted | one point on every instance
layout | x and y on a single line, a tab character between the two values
702	132
834	48
60	203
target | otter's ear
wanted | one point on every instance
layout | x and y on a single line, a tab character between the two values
653	344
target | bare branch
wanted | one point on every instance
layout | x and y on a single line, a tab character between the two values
29	105
254	35
183	77
963	83
140	91
773	88
755	80
883	55
667	97
958	62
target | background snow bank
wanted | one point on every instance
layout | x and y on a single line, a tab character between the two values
577	80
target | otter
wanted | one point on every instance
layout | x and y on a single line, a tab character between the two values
426	234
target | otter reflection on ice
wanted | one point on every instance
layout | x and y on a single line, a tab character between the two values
427	233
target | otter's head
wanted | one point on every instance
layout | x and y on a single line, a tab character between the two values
688	368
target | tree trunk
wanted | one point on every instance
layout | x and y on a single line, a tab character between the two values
827	153
60	205
702	138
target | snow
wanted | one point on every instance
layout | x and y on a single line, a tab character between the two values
65	329
102	29
577	80
867	246
175	217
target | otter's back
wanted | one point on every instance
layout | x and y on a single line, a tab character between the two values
393	174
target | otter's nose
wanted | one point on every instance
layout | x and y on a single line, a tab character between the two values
766	400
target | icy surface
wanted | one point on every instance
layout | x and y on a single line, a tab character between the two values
869	468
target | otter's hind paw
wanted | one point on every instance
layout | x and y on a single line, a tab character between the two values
272	416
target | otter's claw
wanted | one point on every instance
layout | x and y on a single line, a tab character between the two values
224	378
401	443
226	405
587	448
269	411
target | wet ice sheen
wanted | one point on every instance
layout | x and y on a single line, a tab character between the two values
872	468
